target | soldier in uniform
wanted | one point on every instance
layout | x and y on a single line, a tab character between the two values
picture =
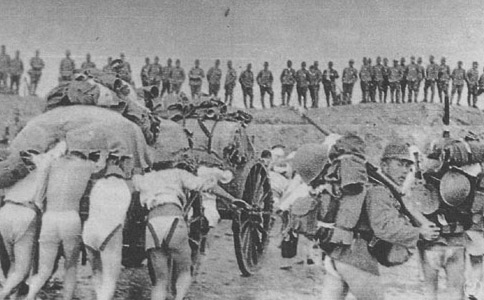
319	76
431	77
214	76
288	79
394	79
265	80
313	86
458	78
472	79
166	78
412	79
246	80
88	64
230	81
365	79
124	70
36	65
378	72
350	76
443	80
67	67
421	76
177	77
403	81
145	77
154	72
16	71
107	68
302	82
4	68
329	83
386	84
195	77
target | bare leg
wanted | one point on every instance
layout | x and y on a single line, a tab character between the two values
334	287
72	250
47	256
159	262
111	266
94	258
363	285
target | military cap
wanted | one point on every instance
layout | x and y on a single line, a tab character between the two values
352	61
398	151
309	161
266	63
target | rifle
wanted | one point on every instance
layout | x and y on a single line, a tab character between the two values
375	174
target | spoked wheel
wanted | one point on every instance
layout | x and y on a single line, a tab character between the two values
251	227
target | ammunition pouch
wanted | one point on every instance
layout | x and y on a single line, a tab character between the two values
388	254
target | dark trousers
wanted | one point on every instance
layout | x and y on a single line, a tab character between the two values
472	94
213	89
302	95
14	81
248	91
314	93
263	91
286	90
443	88
229	94
330	90
347	92
403	87
165	87
365	89
429	83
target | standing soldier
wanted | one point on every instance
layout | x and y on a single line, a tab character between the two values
329	83
365	79
412	79
265	80
246	80
230	81
350	76
36	65
195	77
177	77
472	85
288	79
145	77
16	71
458	78
319	79
395	78
166	78
313	86
421	76
302	82
107	68
154	73
386	84
403	81
88	64
125	69
378	72
67	67
431	77
4	68
214	76
443	79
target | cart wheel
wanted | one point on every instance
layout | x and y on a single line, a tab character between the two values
251	228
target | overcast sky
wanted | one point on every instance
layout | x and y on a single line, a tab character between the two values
253	31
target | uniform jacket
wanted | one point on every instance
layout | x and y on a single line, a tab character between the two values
178	75
67	66
350	75
412	72
330	76
4	62
302	78
472	76
88	65
458	76
195	76
16	67
378	72
154	72
214	75
381	216
432	71
313	78
444	73
230	77
37	63
145	72
265	78
421	72
403	69
395	74
166	73
365	73
288	76
246	79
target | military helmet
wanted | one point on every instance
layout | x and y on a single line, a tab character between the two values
309	161
398	151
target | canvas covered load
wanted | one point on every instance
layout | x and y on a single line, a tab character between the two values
86	129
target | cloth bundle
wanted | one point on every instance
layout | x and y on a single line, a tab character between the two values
461	152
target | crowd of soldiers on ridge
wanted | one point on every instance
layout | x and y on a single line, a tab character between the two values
403	81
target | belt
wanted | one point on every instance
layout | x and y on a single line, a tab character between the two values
30	205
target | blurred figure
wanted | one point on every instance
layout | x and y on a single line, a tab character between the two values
266	158
365	78
177	77
421	76
214	76
265	80
107	68
458	78
154	73
36	65
88	64
386	84
67	67
196	76
246	80
443	80
302	82
166	73
16	71
431	77
230	82
313	86
288	79
319	79
329	83
145	70
350	76
472	80
378	73
4	68
403	81
394	79
412	79
124	70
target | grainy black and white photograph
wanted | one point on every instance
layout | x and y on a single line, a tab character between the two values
241	150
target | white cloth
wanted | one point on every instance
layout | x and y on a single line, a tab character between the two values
295	190
279	183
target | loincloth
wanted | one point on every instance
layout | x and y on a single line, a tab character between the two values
15	220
